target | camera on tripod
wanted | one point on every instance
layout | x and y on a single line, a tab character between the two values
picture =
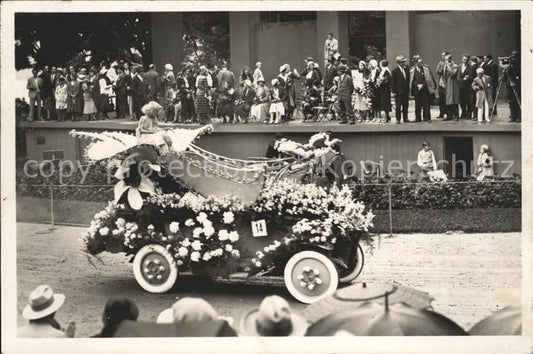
504	62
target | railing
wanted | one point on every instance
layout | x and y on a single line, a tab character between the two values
60	205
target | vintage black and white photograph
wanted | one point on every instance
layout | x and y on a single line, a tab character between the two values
212	170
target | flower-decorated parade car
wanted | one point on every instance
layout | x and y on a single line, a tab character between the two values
181	209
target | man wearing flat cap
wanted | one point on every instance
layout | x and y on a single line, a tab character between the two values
400	88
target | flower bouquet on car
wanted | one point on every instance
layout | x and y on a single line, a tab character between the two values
167	226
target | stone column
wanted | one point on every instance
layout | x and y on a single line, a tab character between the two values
167	39
242	40
399	36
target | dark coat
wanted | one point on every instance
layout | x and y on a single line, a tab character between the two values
139	91
314	79
464	77
151	77
329	75
491	69
452	84
345	88
384	91
400	83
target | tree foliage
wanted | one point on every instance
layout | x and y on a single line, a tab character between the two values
59	38
206	37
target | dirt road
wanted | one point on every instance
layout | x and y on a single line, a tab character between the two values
469	275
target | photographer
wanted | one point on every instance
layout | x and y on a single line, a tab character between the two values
512	75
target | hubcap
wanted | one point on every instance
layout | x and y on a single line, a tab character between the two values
155	268
311	277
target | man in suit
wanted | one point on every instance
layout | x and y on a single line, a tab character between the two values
472	111
47	93
465	82
242	109
186	89
400	88
151	77
441	85
331	46
139	92
35	86
329	74
422	85
224	75
491	69
344	96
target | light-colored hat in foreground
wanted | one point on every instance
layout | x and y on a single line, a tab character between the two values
273	318
166	316
42	302
190	309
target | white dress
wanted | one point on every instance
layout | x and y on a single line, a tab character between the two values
359	102
276	107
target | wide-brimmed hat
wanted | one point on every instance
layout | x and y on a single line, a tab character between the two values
273	318
190	309
42	302
400	59
283	67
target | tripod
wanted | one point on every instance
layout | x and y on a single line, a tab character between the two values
500	82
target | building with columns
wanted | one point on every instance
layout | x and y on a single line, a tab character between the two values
281	37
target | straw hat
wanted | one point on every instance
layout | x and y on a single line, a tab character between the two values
42	302
191	309
273	318
400	59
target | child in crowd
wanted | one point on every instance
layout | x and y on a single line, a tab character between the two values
89	108
61	95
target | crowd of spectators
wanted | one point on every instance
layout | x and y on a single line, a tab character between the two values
186	317
356	91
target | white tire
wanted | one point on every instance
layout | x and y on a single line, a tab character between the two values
155	269
354	273
310	276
